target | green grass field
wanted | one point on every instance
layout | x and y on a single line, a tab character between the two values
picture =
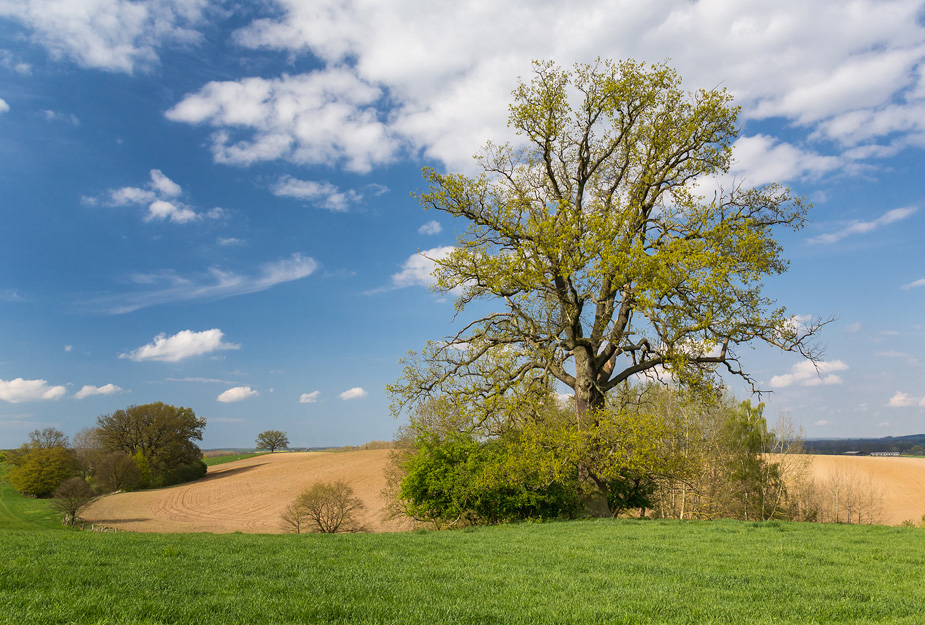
578	572
18	512
210	462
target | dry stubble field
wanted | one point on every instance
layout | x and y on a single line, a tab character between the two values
250	495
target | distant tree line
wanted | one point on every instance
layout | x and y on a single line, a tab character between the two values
146	446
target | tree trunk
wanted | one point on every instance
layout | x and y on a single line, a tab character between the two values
588	400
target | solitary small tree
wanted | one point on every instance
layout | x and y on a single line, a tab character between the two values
327	508
272	440
72	496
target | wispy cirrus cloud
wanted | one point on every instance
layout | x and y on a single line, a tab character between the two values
167	287
309	398
863	227
914	285
181	345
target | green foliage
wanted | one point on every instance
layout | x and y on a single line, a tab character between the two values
460	480
181	473
18	512
160	438
272	440
610	571
602	264
41	470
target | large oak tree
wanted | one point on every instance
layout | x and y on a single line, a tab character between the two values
598	255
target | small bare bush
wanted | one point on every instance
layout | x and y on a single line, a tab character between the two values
325	507
72	496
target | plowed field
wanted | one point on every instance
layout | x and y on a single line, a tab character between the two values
250	495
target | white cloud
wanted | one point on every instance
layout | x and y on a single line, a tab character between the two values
902	400
8	61
163	184
19	390
88	390
822	422
226	242
181	345
309	398
419	268
160	195
354	393
814	62
216	284
761	159
4	107
805	373
914	285
59	116
237	393
431	228
113	35
68	348
325	194
863	227
322	117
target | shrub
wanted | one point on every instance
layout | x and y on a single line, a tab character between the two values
325	507
40	471
71	497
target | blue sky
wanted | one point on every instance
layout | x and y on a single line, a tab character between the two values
209	203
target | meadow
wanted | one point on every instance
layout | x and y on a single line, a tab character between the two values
601	571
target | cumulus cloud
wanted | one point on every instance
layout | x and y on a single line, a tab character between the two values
761	159
902	400
20	390
853	76
309	398
4	107
431	228
323	117
166	287
160	195
863	227
354	393
237	393
181	345
419	268
323	194
914	285
805	373
113	35
88	390
822	422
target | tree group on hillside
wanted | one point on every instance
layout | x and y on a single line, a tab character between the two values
138	447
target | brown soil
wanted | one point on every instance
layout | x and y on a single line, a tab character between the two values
901	481
248	495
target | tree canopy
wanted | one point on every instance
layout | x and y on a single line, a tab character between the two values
159	436
601	253
272	440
